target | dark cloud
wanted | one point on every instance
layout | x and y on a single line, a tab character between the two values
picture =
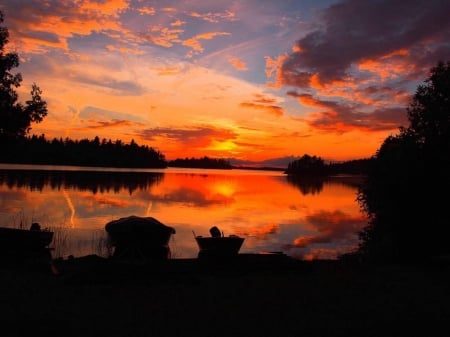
377	120
359	66
342	116
192	135
353	31
107	124
117	87
93	113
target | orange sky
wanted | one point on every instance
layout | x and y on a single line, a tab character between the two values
251	80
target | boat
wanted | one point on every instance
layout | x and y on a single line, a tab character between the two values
218	244
139	238
20	240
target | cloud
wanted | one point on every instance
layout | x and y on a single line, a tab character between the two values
341	117
162	36
194	42
37	27
192	139
110	124
214	17
264	103
355	70
169	70
178	23
95	113
353	32
146	10
238	64
323	84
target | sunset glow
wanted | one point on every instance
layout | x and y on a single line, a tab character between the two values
250	80
262	206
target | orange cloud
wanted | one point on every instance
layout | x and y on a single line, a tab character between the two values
169	9
238	64
52	30
272	109
199	141
390	66
264	103
273	67
125	50
194	42
213	17
162	36
112	7
168	71
178	23
146	11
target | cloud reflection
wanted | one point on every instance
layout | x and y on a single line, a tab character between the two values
264	207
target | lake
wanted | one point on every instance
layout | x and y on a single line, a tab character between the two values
303	218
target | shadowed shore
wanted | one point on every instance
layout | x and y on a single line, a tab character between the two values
247	296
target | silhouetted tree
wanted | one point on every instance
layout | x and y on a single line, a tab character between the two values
404	194
316	166
15	117
307	165
205	162
84	152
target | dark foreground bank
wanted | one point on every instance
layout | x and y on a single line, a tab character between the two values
253	296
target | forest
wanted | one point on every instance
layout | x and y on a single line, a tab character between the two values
96	153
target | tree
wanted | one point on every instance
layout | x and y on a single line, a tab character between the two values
307	165
407	178
15	117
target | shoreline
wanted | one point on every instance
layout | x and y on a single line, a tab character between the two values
94	296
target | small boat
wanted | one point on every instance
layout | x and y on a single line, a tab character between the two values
217	244
139	238
18	240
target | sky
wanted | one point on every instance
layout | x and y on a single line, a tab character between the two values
248	79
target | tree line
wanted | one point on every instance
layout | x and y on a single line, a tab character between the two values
204	162
84	152
315	166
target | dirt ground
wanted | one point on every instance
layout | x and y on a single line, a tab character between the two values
92	296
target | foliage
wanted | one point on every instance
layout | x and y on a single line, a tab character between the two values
307	165
316	166
205	162
15	117
85	152
403	193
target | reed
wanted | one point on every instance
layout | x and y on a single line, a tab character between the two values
100	244
60	242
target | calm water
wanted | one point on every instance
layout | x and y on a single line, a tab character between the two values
302	218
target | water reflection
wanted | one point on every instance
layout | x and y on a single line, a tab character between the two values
306	219
93	181
314	184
